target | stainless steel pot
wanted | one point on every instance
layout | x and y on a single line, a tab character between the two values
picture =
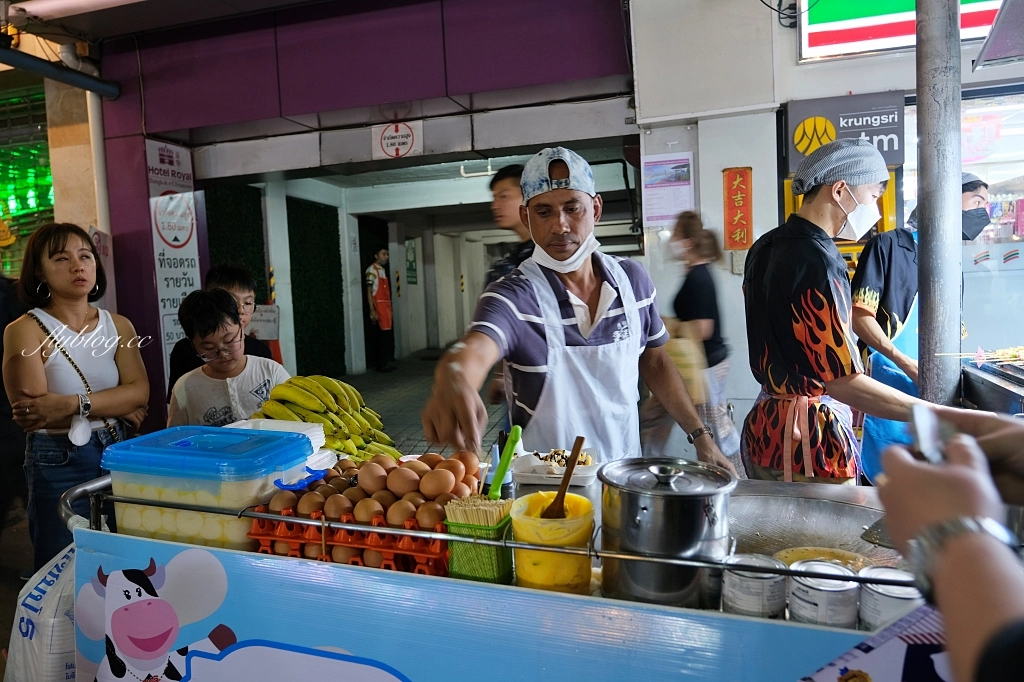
668	508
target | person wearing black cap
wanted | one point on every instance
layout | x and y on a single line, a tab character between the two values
798	311
885	312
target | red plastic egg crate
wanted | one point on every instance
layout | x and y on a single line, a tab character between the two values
401	553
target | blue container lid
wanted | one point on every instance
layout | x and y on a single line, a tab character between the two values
209	453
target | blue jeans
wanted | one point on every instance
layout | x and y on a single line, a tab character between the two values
52	465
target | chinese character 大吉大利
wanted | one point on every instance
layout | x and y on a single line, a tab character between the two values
738	218
738	199
737	182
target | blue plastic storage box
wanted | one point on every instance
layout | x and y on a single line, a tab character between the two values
204	466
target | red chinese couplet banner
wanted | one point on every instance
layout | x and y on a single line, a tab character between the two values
737	192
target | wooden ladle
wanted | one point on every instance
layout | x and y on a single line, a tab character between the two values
556	510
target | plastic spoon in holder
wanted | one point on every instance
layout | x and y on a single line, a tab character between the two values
556	510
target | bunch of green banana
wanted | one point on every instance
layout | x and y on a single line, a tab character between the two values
352	428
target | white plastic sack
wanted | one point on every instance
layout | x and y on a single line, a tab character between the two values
42	647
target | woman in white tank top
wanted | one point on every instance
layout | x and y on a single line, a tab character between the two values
60	276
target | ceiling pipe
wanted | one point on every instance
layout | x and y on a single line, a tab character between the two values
57	72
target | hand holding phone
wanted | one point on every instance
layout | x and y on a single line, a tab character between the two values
931	434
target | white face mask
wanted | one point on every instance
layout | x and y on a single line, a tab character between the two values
678	250
570	264
859	220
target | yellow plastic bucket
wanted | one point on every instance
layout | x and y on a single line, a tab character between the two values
550	570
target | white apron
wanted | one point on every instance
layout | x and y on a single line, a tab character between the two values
589	391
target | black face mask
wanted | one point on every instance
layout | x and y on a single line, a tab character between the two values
974	221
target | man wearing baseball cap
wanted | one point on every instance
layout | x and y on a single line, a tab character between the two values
885	312
576	330
798	311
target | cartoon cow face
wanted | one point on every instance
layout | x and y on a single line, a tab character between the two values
142	625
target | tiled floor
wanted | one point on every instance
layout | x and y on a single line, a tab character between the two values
399	397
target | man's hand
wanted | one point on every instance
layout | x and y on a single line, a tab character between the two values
454	414
917	494
41	411
373	314
1002	441
908	365
708	452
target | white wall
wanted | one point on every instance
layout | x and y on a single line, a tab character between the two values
474	268
410	306
275	230
447	289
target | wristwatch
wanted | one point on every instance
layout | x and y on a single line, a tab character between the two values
84	405
928	544
700	432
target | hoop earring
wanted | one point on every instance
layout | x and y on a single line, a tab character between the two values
40	286
95	290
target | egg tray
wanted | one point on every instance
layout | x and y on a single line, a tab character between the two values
401	552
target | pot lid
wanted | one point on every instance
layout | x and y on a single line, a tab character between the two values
666	476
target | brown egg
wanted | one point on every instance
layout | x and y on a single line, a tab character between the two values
416	497
341	555
436	483
314	485
471	482
372	558
431	459
402	481
285	499
386	498
372	477
349	474
385	462
282	548
366	509
461	490
416	465
340	484
326	490
429	515
355	494
336	505
330	474
399	512
455	466
468	458
445	499
311	550
345	464
309	503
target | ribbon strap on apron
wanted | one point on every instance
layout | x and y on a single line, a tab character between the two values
797	429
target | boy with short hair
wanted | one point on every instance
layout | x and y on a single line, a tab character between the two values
229	385
238	282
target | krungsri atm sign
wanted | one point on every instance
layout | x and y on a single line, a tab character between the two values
841	28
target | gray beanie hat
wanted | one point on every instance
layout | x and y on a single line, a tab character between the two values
856	161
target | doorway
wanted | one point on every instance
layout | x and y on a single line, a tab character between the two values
317	290
373	236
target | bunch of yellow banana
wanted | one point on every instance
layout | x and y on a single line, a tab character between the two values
352	428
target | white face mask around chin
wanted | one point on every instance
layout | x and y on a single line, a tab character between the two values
859	220
570	264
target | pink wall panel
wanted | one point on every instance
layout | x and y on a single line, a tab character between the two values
336	56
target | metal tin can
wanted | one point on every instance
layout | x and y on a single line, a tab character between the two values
823	601
883	604
761	595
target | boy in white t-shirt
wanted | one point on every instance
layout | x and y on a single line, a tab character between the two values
230	385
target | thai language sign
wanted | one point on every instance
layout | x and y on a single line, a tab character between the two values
172	212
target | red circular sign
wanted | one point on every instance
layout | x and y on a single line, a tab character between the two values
173	218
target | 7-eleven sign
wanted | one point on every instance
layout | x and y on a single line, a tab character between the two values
834	28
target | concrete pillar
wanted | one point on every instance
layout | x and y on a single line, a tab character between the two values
275	226
74	158
939	207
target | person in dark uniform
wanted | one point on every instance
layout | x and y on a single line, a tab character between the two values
238	282
798	310
885	312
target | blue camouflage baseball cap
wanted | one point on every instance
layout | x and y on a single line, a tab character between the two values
536	179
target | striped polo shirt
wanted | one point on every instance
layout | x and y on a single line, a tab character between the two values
509	313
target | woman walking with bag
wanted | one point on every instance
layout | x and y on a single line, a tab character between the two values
72	372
